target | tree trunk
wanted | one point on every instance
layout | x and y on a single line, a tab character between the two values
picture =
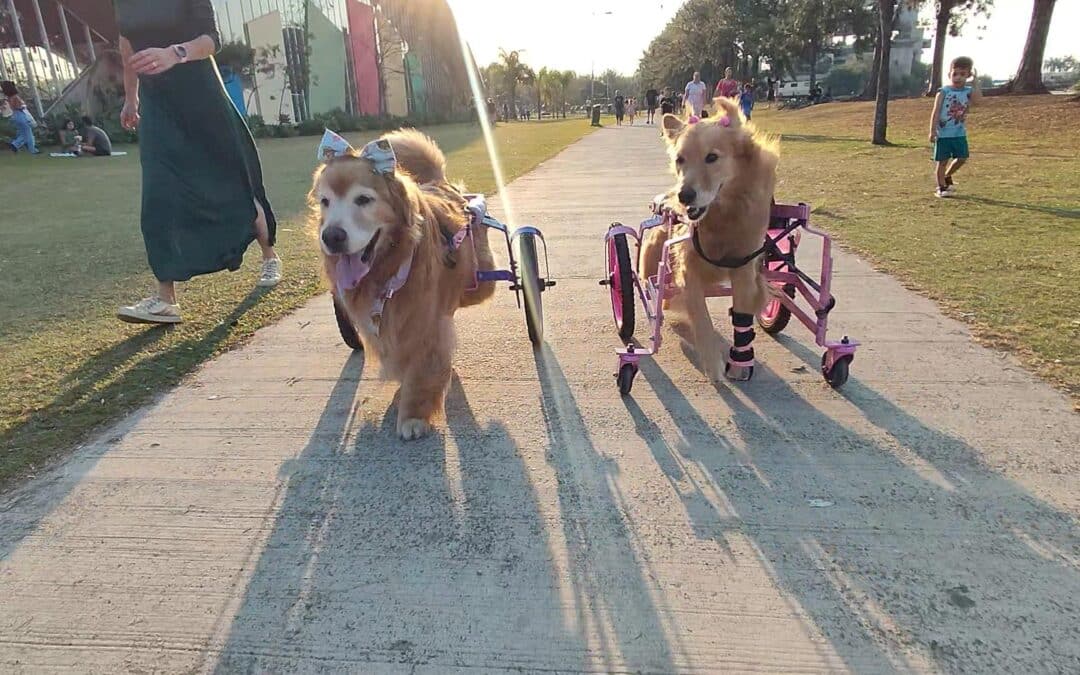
870	90
944	14
1029	77
886	10
813	66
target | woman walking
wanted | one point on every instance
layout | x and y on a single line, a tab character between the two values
20	116
203	200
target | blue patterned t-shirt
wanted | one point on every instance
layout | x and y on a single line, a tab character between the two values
954	107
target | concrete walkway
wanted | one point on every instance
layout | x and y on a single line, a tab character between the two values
264	517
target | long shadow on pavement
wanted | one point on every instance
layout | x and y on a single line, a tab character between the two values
899	571
27	505
607	574
392	556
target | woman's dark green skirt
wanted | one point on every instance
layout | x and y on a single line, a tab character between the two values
201	174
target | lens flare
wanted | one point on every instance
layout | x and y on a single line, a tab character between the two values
485	125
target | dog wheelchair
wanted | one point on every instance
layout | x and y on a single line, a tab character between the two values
527	279
777	256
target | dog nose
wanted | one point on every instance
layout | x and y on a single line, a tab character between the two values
687	195
334	238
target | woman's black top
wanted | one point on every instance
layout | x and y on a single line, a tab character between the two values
162	23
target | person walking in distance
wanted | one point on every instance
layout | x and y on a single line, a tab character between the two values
729	86
694	95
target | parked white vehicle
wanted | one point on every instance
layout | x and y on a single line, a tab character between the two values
793	88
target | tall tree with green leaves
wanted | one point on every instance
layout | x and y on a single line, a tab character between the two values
949	19
514	72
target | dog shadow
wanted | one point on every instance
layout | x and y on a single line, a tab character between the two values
871	534
389	554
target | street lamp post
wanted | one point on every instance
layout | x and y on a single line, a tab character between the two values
592	64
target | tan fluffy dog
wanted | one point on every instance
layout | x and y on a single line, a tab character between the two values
372	221
726	176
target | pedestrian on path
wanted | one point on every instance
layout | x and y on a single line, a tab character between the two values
694	94
620	107
729	86
652	100
203	200
22	119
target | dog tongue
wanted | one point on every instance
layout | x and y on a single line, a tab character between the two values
350	271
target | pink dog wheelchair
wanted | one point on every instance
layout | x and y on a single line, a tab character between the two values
795	293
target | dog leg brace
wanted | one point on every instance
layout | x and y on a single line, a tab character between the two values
740	361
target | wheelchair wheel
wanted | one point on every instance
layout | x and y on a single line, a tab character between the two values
346	328
625	378
621	285
775	317
836	376
531	285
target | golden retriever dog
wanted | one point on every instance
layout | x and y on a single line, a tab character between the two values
726	175
386	223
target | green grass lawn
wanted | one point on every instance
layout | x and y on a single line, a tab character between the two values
1001	255
72	253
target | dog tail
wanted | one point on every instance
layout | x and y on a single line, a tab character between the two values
418	155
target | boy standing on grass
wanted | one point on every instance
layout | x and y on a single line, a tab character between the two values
948	131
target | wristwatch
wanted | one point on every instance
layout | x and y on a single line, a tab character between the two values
181	52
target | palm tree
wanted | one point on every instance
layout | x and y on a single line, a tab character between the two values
543	84
565	79
514	72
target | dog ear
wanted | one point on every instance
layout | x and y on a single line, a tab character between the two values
728	108
672	125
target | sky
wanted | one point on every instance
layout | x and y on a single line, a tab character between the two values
581	34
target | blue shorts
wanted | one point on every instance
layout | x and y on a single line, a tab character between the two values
950	148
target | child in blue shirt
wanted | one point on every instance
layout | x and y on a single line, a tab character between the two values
746	100
948	128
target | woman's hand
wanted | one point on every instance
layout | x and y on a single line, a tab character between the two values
154	61
129	116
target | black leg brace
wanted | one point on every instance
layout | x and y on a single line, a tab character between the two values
742	353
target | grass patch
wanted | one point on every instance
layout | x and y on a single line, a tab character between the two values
1001	254
73	252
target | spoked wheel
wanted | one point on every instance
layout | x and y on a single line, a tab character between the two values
345	326
621	285
775	317
531	285
838	374
625	378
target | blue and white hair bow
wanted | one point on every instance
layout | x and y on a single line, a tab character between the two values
381	155
332	145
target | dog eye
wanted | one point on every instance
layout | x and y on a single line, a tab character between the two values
363	200
680	160
325	202
711	157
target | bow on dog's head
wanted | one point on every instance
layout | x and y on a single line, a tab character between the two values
379	153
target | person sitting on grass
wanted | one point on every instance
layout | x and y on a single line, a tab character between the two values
948	123
95	141
70	140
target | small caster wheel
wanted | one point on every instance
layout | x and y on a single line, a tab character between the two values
838	374
625	378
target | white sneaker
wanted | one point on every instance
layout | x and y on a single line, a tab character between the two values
271	273
150	310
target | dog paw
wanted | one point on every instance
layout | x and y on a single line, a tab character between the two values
738	373
413	429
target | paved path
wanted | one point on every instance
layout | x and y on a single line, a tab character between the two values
264	518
